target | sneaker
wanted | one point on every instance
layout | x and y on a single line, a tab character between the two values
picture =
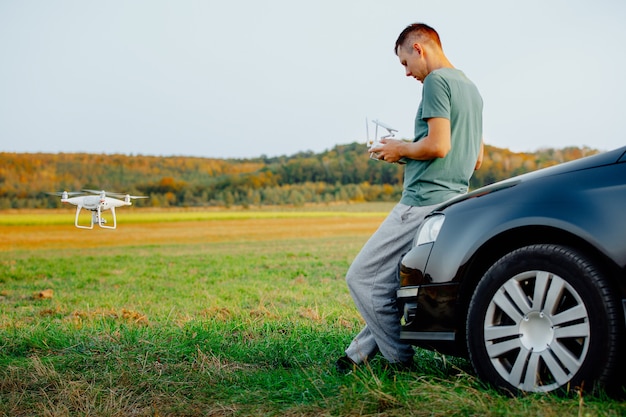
345	365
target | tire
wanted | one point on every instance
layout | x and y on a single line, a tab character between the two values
543	318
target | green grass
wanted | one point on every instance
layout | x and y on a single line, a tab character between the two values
239	328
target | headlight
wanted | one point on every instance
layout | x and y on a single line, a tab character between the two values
429	230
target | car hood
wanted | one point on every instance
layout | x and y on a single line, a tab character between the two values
601	159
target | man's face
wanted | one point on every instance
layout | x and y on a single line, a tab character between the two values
412	59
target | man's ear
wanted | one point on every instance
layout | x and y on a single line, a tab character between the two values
418	48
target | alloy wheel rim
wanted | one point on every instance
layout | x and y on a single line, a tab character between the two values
536	331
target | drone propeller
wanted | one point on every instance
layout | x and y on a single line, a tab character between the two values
118	195
128	196
98	192
68	193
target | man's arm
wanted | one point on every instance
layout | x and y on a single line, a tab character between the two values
436	145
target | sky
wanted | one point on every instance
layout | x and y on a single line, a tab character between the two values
245	78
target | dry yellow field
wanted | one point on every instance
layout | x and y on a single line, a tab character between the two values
210	229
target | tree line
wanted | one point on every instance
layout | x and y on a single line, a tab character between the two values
342	174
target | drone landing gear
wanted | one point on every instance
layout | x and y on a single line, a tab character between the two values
96	218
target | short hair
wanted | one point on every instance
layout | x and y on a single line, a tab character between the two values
420	31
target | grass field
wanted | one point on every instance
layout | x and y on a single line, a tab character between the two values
237	313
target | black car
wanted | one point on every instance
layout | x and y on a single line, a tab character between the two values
526	277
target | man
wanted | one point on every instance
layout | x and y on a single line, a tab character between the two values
447	148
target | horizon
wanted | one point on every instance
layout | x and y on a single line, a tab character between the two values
130	155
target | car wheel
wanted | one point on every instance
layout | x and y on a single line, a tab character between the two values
543	318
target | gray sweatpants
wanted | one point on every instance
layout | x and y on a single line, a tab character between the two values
373	281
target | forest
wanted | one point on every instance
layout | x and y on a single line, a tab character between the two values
341	174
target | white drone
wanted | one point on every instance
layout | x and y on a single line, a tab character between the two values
375	142
96	202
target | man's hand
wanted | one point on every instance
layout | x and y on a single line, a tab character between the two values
436	145
390	150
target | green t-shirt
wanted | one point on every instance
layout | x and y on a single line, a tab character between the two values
449	94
